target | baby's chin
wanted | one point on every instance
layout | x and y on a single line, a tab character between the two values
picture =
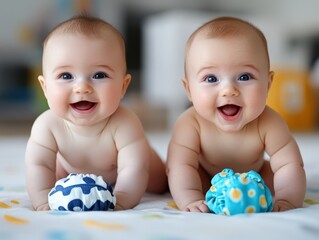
82	121
230	127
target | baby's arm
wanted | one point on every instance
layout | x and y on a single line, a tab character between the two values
183	167
133	161
40	165
286	163
289	177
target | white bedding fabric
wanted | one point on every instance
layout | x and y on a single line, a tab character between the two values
156	217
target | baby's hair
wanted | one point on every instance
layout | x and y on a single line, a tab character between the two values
86	25
226	27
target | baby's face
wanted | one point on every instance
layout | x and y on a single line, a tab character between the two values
228	79
84	78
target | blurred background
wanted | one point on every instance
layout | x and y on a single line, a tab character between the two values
155	33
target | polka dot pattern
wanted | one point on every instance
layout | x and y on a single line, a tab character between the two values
234	193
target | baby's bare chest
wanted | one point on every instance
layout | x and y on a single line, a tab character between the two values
233	150
89	152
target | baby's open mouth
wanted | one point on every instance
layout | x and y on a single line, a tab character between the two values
229	110
83	105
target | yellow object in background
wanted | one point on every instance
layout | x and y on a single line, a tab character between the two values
292	96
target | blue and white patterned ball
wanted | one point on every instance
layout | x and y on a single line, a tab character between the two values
82	192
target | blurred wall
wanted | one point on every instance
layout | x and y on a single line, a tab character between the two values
291	29
23	26
291	25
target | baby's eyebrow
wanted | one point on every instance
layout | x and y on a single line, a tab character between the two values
59	68
106	66
206	68
251	66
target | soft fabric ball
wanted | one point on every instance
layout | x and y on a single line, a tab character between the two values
234	193
82	192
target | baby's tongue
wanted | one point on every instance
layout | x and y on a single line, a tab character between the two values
83	105
230	110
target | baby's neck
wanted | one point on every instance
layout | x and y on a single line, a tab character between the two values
86	130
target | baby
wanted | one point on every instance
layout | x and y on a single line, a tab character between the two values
86	130
227	78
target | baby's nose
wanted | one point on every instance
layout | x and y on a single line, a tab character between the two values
229	90
83	87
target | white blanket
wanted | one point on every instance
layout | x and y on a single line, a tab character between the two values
156	217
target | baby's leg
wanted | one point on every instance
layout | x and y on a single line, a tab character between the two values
157	182
268	176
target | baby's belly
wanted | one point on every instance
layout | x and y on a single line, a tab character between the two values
216	167
107	171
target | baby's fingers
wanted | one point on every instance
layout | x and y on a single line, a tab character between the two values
198	206
44	207
283	205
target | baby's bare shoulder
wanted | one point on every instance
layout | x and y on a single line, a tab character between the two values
124	115
190	121
45	117
42	130
272	120
45	122
274	130
188	118
125	124
188	129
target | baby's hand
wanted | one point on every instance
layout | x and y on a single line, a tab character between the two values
283	205
118	207
43	207
198	206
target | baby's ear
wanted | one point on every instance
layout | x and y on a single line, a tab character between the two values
270	78
186	86
126	83
42	83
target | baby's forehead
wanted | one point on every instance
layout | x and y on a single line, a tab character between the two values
61	44
107	38
244	35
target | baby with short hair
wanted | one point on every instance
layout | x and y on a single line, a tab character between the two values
86	129
227	78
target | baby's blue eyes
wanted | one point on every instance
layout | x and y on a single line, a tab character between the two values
211	79
100	75
244	77
66	76
214	79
